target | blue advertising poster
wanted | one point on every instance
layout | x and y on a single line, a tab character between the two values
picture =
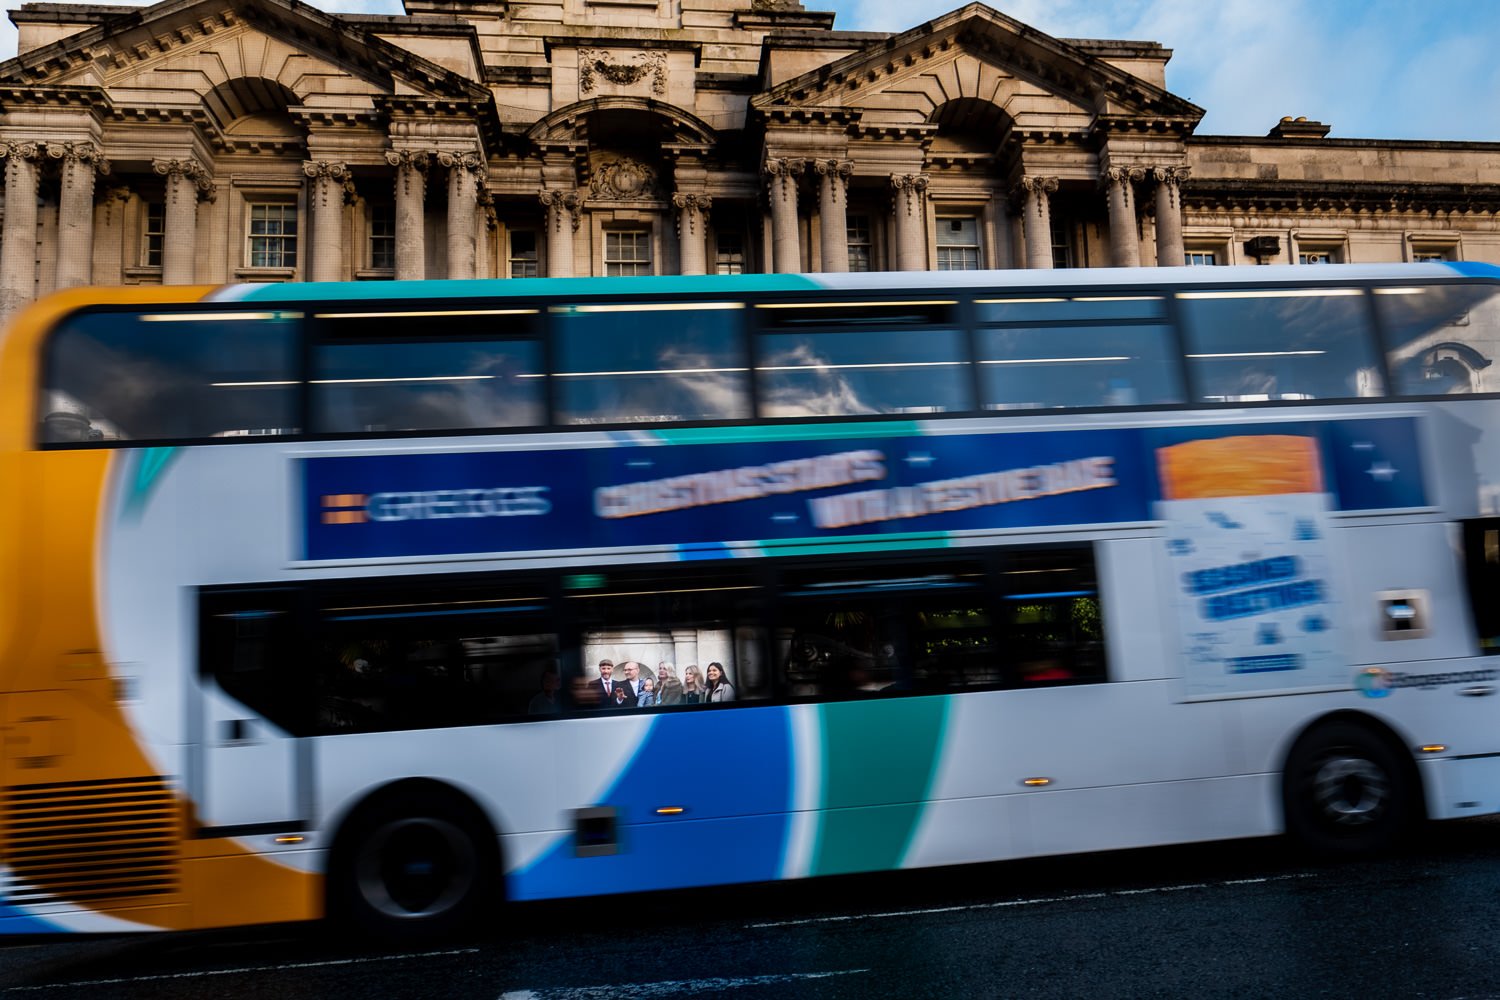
499	500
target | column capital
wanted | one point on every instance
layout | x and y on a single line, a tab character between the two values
784	166
118	192
560	203
465	160
20	150
79	152
1124	175
1032	184
841	169
417	159
190	169
690	208
1170	175
916	183
331	169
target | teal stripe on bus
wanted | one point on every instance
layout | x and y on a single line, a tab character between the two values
787	432
563	289
149	466
903	542
879	761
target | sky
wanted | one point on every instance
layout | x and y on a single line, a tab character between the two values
1371	69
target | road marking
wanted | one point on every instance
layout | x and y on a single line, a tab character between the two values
669	988
243	970
1034	901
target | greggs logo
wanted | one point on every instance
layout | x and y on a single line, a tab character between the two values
435	505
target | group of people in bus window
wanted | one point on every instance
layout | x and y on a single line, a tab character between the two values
637	686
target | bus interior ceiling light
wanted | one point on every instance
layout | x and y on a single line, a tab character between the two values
1057	361
222	317
872	364
1259	354
654	371
428	313
624	307
1273	293
854	305
402	378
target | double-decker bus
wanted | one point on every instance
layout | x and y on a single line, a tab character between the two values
397	601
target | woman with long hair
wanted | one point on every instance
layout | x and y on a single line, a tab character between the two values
668	687
719	688
692	685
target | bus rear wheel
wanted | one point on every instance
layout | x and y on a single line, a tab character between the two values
1347	792
413	867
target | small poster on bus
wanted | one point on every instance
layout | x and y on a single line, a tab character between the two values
1247	540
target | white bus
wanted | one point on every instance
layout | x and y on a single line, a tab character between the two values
400	600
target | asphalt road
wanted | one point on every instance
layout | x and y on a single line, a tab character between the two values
1234	919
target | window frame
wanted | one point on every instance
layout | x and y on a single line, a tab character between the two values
288	209
645	237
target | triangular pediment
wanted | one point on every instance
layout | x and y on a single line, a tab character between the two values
200	45
977	54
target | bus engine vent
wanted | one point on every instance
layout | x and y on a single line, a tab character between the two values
91	841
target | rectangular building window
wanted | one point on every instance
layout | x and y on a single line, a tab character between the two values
1200	258
156	217
729	253
273	235
1062	243
957	243
627	252
1316	257
861	244
523	253
383	237
1427	256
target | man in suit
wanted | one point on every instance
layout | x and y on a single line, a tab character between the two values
607	699
628	691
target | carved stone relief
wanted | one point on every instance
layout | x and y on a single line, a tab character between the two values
596	66
624	179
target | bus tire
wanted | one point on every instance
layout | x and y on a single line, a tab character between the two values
1347	791
414	864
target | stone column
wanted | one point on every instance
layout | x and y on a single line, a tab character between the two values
910	216
109	236
833	212
1169	248
464	171
781	183
1036	220
1124	240
18	251
327	197
411	212
75	223
692	212
563	215
179	254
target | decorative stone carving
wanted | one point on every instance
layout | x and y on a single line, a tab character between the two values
563	203
408	162
1031	184
775	5
690	209
1170	179
913	186
594	65
624	179
469	161
20	150
79	152
192	170
1125	175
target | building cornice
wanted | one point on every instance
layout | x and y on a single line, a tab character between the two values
1372	196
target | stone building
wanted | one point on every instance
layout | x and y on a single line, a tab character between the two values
207	141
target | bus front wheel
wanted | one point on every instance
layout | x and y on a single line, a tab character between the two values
1347	791
413	866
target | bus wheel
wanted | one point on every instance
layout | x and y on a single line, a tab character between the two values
413	867
1347	792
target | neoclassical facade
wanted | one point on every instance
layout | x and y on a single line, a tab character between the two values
207	141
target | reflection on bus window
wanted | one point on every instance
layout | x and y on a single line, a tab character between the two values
871	631
1051	617
438	384
421	665
1280	344
847	373
1078	366
116	376
650	363
662	642
1441	339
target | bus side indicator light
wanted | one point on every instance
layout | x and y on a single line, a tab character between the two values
1433	748
291	839
670	811
1036	782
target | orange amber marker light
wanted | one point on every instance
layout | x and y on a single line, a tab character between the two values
1036	782
1433	748
670	811
291	839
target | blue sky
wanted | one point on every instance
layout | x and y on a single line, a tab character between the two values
1380	69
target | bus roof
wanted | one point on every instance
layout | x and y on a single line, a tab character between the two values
925	281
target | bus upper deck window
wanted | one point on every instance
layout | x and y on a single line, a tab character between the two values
1047	355
113	375
861	358
650	362
464	368
1274	344
1440	339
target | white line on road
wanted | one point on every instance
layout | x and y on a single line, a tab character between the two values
243	970
1035	901
669	988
